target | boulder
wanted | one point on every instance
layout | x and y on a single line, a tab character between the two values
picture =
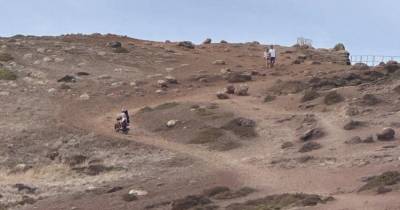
207	41
242	90
186	44
222	95
387	134
223	42
312	134
114	44
333	97
230	89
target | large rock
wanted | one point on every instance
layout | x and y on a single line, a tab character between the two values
186	44
114	44
207	41
387	134
242	90
171	80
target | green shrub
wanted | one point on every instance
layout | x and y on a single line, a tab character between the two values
339	46
6	74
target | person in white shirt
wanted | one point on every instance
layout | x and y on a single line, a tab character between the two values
272	51
267	56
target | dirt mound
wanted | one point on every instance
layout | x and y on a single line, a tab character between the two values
198	124
288	87
190	202
389	178
333	97
281	201
225	193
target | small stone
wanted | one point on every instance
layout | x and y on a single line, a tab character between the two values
172	123
311	134
84	96
138	192
47	59
171	80
219	62
52	90
162	83
104	76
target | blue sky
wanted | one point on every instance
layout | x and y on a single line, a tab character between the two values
364	26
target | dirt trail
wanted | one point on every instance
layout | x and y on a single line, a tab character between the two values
251	175
267	180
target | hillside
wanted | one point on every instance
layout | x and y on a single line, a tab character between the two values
311	133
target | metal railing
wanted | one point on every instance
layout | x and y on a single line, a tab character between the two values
304	42
372	60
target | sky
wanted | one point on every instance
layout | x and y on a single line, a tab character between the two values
366	27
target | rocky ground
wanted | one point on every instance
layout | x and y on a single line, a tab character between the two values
212	128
